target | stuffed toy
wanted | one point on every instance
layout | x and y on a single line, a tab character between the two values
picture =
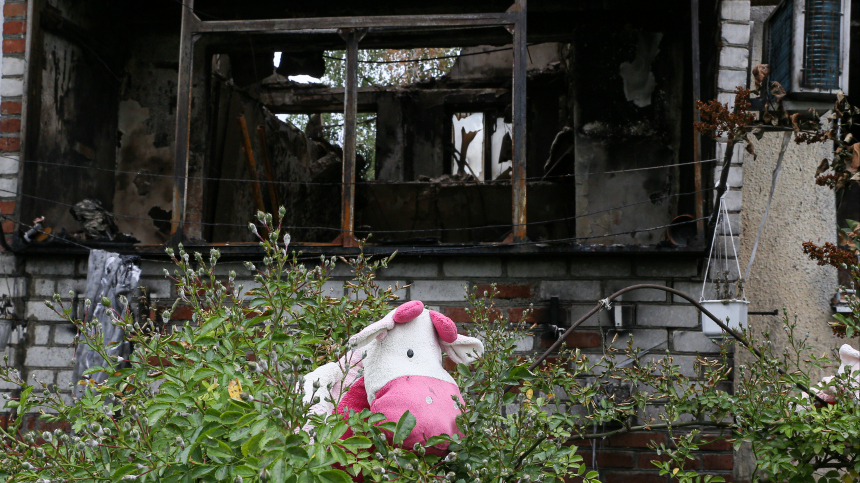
395	366
850	363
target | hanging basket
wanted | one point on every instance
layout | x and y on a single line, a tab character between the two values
732	312
732	305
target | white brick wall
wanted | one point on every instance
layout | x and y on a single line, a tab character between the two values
49	357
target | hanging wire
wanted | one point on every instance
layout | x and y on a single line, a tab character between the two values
316	183
417	230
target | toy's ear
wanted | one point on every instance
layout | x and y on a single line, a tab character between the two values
376	330
464	349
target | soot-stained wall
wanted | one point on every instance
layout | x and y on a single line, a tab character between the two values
77	127
628	96
145	134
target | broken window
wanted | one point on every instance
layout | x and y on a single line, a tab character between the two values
472	155
603	155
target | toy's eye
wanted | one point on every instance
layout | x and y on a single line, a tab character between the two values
409	353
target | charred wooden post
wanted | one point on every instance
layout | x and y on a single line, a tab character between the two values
183	116
518	175
350	113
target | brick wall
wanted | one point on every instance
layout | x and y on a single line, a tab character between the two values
11	98
45	349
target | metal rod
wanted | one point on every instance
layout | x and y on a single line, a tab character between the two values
740	338
183	116
316	23
252	166
350	112
518	175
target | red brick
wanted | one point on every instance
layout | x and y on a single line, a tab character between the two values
11	46
618	459
11	107
15	27
14	9
506	290
8	225
579	339
516	315
4	421
718	461
10	125
10	144
182	312
457	314
7	207
713	443
638	477
637	440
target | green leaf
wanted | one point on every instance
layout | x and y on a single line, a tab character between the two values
252	445
230	417
201	471
356	443
94	370
245	471
122	471
298	453
404	427
209	326
334	476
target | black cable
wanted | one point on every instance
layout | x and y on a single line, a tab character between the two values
419	230
317	183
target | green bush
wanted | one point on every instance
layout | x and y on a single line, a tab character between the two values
219	398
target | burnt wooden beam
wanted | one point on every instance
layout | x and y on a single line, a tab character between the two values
350	113
183	117
518	175
381	21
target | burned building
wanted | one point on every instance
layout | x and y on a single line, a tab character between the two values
553	153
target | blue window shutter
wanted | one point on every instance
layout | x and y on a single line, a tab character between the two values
779	48
821	44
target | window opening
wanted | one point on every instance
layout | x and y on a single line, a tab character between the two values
467	129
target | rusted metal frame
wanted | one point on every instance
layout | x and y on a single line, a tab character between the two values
518	175
697	138
183	117
315	23
350	114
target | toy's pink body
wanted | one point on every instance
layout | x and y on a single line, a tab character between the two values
401	360
428	399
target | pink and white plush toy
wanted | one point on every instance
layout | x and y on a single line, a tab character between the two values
396	366
850	363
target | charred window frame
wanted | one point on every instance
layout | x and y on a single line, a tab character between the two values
352	29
